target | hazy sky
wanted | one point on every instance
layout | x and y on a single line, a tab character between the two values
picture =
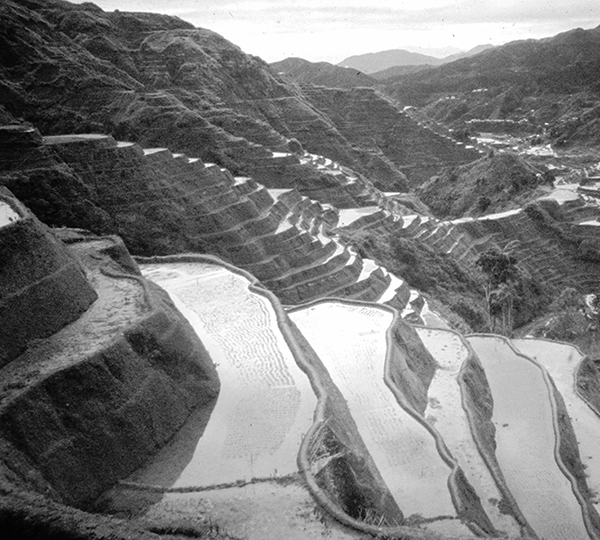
331	30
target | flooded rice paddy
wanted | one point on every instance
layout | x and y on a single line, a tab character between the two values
526	439
266	403
561	361
351	342
445	412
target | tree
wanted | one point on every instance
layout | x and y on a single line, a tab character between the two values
500	268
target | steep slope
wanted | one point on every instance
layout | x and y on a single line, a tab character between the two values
561	64
104	381
374	123
322	73
43	287
158	81
163	203
143	76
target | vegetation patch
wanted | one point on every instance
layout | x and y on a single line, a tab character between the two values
458	287
494	183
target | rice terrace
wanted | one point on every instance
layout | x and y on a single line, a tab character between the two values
299	299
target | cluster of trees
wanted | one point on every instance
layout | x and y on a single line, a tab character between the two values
512	296
500	288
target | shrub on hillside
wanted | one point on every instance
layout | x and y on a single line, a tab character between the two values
457	288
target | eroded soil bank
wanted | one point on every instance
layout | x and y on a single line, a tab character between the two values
87	405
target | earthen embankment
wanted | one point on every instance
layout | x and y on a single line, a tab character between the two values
90	403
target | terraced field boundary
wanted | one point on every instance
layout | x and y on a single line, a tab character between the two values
321	416
578	473
559	434
457	484
485	447
488	457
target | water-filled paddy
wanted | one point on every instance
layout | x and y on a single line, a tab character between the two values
266	402
350	215
526	441
445	413
351	342
561	361
7	214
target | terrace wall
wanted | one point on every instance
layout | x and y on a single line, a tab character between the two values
42	286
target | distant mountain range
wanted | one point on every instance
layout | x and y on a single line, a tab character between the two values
551	86
373	62
552	83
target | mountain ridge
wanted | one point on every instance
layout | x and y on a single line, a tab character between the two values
322	73
553	83
372	63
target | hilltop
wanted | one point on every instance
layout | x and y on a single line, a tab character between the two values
385	61
378	61
322	73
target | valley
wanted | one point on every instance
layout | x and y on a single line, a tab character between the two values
242	303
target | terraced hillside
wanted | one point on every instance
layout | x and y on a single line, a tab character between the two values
396	429
96	343
548	239
161	203
554	238
279	358
546	87
160	82
375	123
449	463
